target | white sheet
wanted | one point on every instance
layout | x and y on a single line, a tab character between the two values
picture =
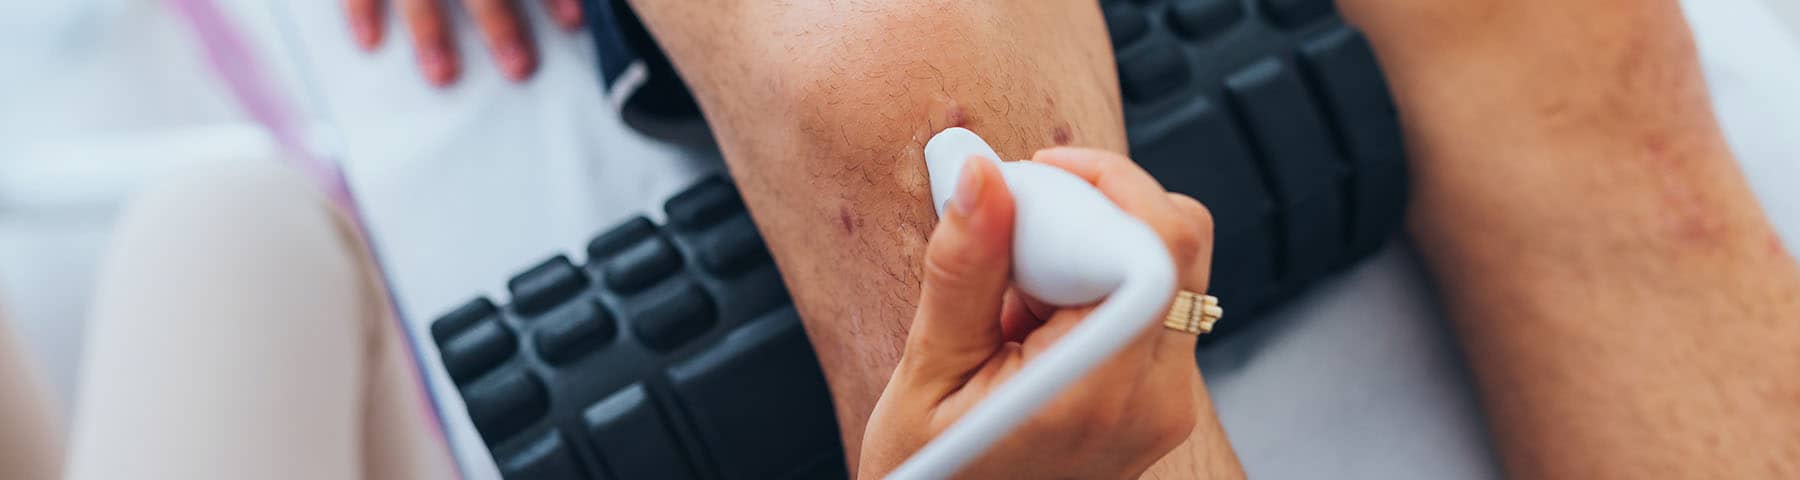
1358	380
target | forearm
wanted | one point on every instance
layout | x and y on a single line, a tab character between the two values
1625	307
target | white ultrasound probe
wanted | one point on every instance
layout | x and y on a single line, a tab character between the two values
1071	246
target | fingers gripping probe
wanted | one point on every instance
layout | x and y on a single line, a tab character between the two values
1071	246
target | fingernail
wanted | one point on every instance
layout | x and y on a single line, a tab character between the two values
968	189
515	60
436	65
365	32
569	12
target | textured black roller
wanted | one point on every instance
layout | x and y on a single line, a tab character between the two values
1275	114
672	353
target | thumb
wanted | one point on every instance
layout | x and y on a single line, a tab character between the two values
967	267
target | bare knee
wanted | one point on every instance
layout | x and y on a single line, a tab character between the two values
254	230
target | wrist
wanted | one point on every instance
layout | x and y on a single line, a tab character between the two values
1207	452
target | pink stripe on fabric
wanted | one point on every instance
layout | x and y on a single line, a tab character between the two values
231	59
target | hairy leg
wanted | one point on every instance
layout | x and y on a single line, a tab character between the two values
1627	310
822	110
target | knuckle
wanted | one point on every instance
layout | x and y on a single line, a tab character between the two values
1197	213
949	266
1193	230
1194	212
1183	241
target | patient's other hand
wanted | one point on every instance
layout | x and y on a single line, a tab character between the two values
502	29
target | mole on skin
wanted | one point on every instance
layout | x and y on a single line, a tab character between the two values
954	116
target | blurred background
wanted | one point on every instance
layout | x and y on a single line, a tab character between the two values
101	97
97	97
